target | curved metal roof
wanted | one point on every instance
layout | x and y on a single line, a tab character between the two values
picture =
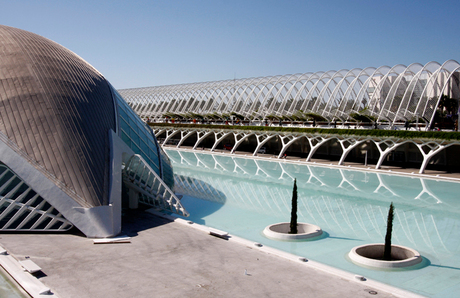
57	110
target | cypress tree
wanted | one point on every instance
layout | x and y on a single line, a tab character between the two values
293	225
387	249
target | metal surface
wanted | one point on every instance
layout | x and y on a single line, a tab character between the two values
57	108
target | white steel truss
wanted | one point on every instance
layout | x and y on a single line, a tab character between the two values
138	175
387	94
385	145
22	209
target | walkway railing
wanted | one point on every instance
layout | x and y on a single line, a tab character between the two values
138	175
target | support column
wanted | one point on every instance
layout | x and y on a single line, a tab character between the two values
158	132
169	135
391	145
201	135
291	139
319	141
184	135
261	140
244	136
353	143
434	149
133	198
219	136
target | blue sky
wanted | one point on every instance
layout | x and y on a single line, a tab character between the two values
152	43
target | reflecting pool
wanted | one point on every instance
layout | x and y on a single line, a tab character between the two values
9	288
242	196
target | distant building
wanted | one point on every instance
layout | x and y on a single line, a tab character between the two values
67	141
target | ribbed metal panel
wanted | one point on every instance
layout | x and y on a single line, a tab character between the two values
57	109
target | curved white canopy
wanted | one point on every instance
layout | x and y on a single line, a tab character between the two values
392	94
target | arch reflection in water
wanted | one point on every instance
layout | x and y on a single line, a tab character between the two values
350	206
350	203
209	198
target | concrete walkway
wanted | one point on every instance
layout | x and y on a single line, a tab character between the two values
169	259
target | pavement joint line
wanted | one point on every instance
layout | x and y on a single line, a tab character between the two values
294	258
325	165
27	281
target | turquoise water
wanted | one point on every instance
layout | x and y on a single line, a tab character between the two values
9	289
242	196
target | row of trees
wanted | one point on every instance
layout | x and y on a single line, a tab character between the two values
445	116
298	116
387	246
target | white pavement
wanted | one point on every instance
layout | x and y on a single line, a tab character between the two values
170	259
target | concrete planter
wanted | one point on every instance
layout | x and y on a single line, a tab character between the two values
280	231
371	255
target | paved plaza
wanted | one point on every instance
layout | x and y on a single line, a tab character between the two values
169	259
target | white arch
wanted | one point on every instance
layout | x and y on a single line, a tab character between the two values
386	93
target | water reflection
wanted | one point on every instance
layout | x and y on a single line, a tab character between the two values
242	196
198	189
345	203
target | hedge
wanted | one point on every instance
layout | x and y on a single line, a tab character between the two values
438	135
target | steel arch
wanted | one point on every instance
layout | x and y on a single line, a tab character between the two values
390	94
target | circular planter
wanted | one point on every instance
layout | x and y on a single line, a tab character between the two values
280	231
371	255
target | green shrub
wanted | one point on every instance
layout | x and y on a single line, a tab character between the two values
437	135
315	117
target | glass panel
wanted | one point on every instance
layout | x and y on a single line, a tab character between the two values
132	123
144	146
123	125
125	138
123	113
134	137
145	156
153	156
136	134
135	148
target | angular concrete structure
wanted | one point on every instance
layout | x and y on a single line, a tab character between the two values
67	141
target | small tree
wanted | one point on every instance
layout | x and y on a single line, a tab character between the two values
387	249
293	225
